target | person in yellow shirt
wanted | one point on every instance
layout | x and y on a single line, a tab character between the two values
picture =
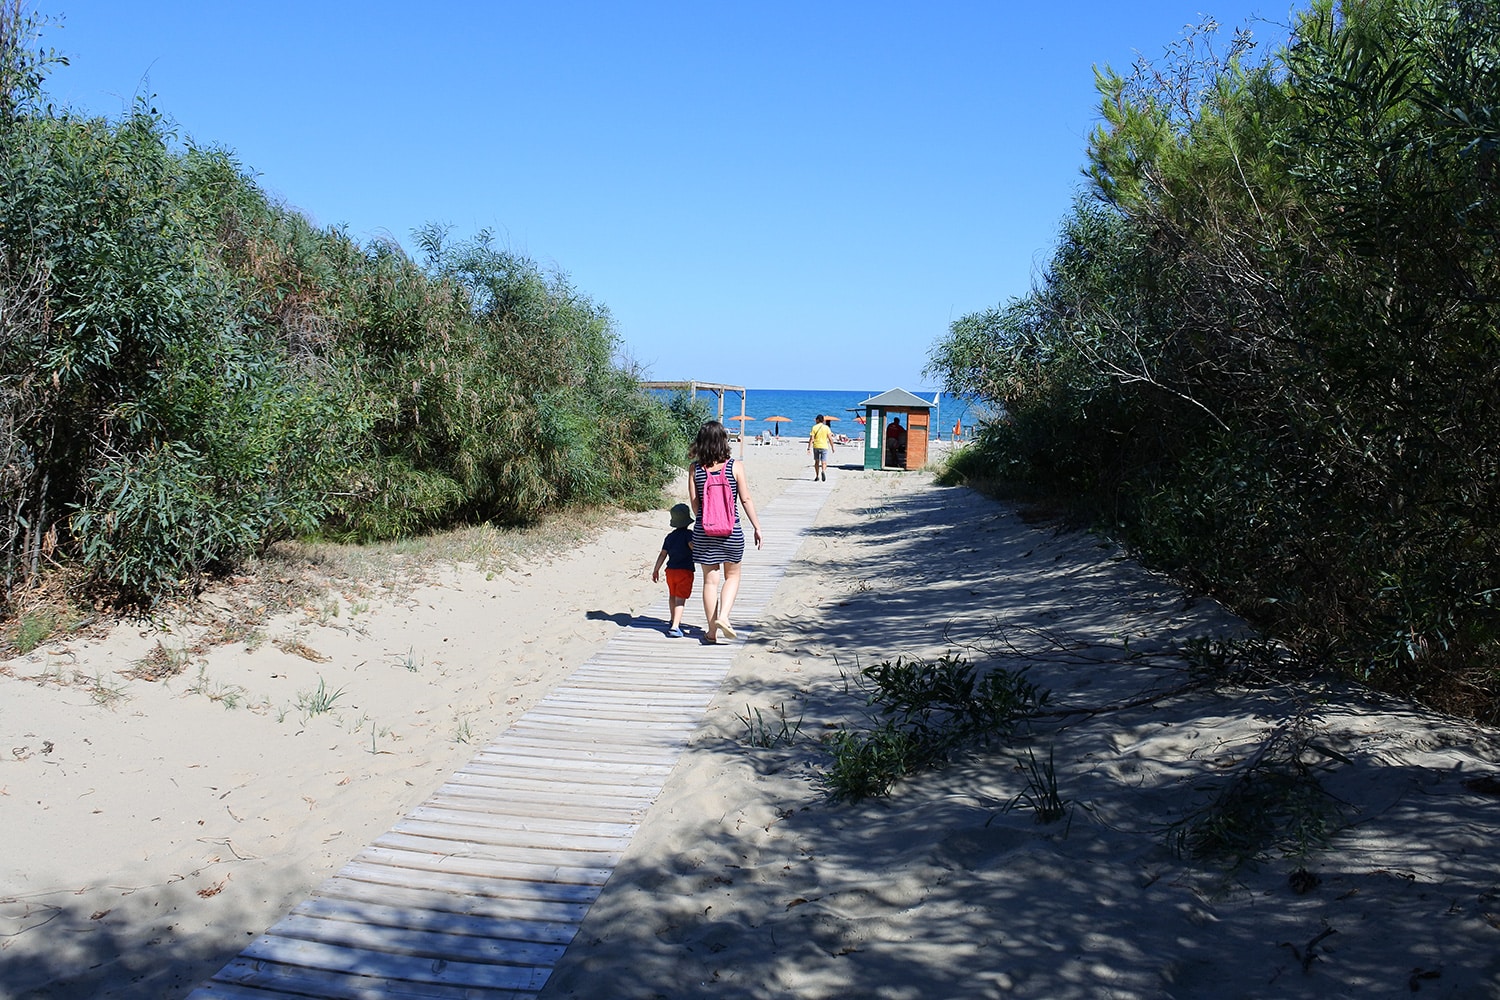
820	444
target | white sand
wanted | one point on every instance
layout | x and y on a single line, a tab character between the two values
147	840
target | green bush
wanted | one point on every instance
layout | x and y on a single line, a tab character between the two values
1263	354
189	372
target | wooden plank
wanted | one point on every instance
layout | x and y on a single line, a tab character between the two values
533	920
618	777
601	714
555	793
609	741
674	674
628	728
551	809
575	831
439	921
212	990
554	748
623	729
542	897
609	738
398	940
554	751
688	668
605	682
552	874
631	707
332	958
574	786
449	847
635	697
303	983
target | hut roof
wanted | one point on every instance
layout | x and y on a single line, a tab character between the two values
897	399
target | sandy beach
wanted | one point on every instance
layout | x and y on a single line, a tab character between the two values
153	826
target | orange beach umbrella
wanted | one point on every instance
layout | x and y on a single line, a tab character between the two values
778	421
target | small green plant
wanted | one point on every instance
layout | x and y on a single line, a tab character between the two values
319	701
867	764
1041	794
378	731
462	733
930	710
409	659
773	733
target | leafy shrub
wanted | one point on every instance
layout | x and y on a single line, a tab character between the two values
1263	353
189	372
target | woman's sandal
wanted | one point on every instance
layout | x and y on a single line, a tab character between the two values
726	628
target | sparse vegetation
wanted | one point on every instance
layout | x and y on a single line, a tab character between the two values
231	696
927	712
319	701
103	692
1041	794
767	734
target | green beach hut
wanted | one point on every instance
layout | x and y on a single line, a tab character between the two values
896	425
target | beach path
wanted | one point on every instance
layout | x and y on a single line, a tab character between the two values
478	891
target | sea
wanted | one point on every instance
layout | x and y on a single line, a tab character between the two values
801	407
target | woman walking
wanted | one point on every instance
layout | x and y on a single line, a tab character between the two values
719	555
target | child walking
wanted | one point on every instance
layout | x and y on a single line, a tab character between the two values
677	553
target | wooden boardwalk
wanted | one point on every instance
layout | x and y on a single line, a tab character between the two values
477	892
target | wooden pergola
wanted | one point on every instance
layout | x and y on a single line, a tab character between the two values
718	389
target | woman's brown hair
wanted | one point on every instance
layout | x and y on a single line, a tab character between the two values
712	445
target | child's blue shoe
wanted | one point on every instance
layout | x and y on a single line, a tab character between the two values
675	633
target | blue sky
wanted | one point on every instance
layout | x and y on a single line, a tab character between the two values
778	195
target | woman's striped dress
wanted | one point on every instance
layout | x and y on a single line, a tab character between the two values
707	549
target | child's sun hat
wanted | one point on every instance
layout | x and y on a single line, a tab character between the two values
682	516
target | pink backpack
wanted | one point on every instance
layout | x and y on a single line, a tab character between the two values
717	514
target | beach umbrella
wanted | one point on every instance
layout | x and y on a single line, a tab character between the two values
778	421
829	420
859	420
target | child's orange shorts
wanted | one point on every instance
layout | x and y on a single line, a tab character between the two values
680	583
